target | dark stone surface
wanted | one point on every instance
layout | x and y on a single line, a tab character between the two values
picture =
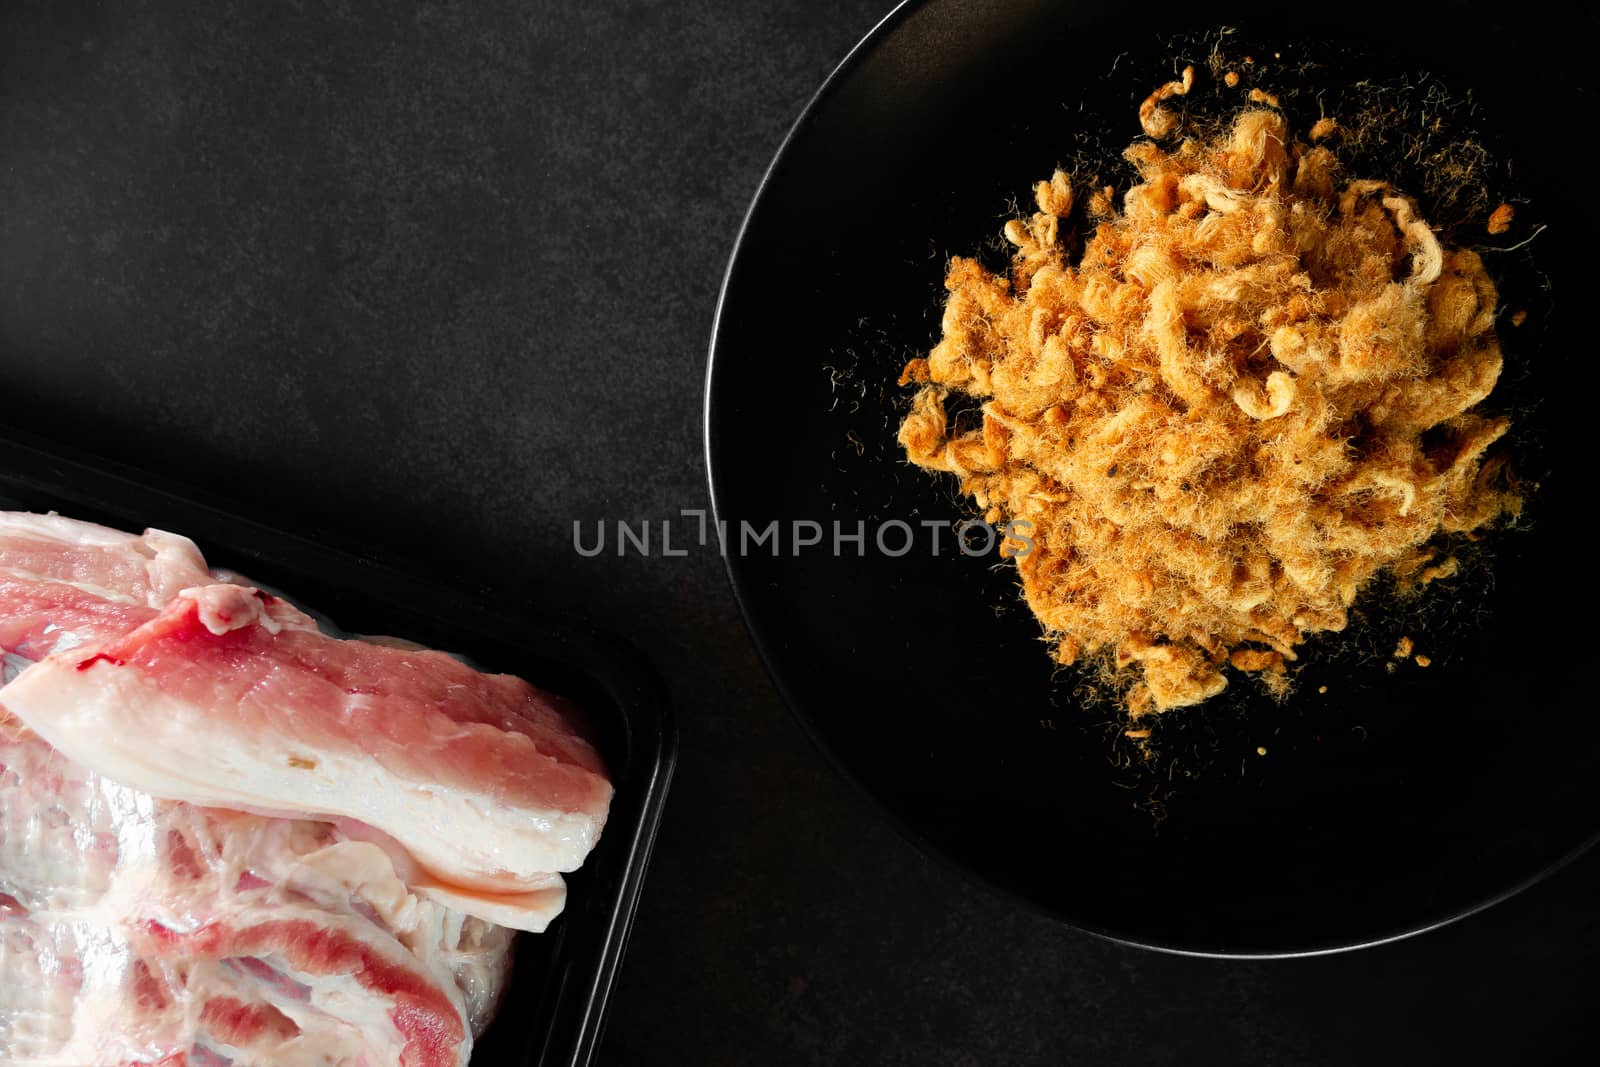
434	281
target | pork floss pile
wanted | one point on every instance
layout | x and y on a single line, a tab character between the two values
1256	390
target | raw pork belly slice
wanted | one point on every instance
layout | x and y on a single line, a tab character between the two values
146	569
64	582
38	617
141	931
480	777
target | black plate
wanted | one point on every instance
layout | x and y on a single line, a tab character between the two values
553	1012
1394	801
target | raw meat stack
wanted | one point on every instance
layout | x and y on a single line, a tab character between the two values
229	838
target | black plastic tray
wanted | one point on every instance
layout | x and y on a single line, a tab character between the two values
553	1013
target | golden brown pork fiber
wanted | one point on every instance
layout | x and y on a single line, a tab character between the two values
1256	390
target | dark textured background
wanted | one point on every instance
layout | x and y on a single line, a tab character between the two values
434	281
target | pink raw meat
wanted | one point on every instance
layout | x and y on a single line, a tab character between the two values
142	931
38	617
146	569
64	582
482	777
